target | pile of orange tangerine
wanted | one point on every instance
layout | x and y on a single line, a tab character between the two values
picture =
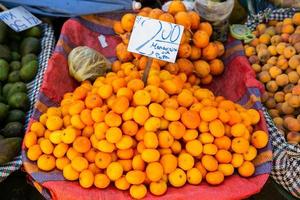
168	132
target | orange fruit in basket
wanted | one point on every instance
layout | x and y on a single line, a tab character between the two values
68	135
76	122
210	52
154	171
190	119
60	150
112	119
177	178
210	149
34	152
209	163
226	169
207	79
98	114
200	39
113	135
125	92
43	118
184	50
165	139
259	139
158	188
150	155
46	162
202	68
126	164
127	21
237	160
141	98
176	129
167	17
30	139
82	144
135	84
46	146
125	142
185	161
60	163
221	48
118	27
53	111
93	101
176	147
185	98
90	155
201	168
247	169
205	26
190	135
135	177
118	83
171	114
194	176
86	178
114	171
208	113
195	19
170	103
240	145
105	91
194	147
140	114
94	168
195	53
122	54
150	140
155	13
254	116
80	93
69	173
138	163
101	181
120	105
175	7
125	153
130	128
152	124
138	191
296	19
216	67
122	183
156	110
88	131
86	117
235	117
169	163
223	142
214	178
250	154
238	130
216	128
76	107
38	128
79	163
223	156
102	160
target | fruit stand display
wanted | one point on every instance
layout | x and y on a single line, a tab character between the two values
274	56
23	59
165	136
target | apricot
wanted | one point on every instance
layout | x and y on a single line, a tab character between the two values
202	68
297	46
296	90
289	52
263	55
293	137
200	39
294	61
249	51
274	71
127	21
279	97
272	86
256	68
264	38
175	7
272	50
280	47
253	59
293	77
264	77
261	28
270	103
294	101
296	19
288	28
275	40
286	108
282	80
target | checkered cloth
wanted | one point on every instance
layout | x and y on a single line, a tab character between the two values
286	157
269	14
47	46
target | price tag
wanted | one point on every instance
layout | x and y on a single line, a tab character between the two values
155	38
19	19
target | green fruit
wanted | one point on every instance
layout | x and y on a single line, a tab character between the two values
12	129
33	32
17	87
6	89
19	100
3	31
28	57
15	56
30	45
4	69
10	147
15	116
15	65
5	52
28	71
3	111
14	76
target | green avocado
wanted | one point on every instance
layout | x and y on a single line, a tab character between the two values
33	32
10	148
3	111
15	116
17	87
6	89
27	58
30	45
19	100
12	129
4	69
15	65
29	70
15	56
5	52
14	76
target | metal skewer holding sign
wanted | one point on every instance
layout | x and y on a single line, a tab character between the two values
155	39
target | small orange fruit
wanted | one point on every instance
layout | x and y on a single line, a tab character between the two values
201	38
86	178
175	7
209	163
138	191
194	176
101	181
46	162
122	183
150	155
34	152
259	139
112	119
102	160
194	147
82	144
214	178
114	171
69	173
177	178
154	171
79	163
158	188
223	156
190	119
185	161
247	169
226	169
127	21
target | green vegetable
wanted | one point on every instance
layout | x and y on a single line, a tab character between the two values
10	147
17	87
12	129
29	45
14	76
15	56
15	116
28	57
4	69
28	71
19	100
6	89
33	32
3	111
15	65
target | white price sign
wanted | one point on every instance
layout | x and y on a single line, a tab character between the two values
19	19
155	38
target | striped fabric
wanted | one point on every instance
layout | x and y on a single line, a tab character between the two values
85	31
47	46
286	157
